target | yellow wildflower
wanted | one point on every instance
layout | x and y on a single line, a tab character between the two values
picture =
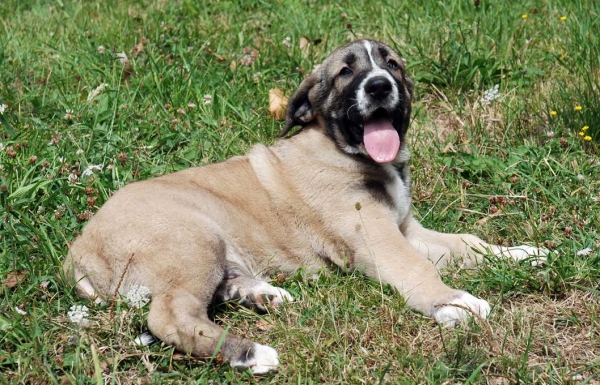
524	16
578	108
553	113
581	133
563	18
584	128
587	138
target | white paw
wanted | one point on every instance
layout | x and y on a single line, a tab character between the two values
450	316
264	294
536	255
264	360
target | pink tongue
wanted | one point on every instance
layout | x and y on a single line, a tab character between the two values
381	141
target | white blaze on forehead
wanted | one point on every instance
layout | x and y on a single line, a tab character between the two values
365	106
370	53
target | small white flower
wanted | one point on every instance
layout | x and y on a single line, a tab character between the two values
287	42
550	134
584	252
79	151
40	209
72	179
122	56
68	114
97	91
138	296
90	169
78	314
191	105
207	99
1	147
3	108
20	311
580	177
101	49
490	95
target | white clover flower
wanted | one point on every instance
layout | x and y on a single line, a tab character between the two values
90	169
101	49
550	134
79	151
580	177
207	99
122	56
20	311
490	95
584	252
1	147
138	296
68	114
78	314
3	108
40	209
72	179
287	42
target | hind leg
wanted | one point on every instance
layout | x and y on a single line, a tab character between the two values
179	318
251	293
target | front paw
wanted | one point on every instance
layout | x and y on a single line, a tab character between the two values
534	254
452	313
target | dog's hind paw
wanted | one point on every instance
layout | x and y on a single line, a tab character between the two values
261	295
451	314
262	360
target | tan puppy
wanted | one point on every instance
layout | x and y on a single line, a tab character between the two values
217	232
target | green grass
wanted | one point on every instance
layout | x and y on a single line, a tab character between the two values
510	171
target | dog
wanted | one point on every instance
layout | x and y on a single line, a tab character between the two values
335	192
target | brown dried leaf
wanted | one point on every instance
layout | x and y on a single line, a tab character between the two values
304	47
277	103
138	48
14	277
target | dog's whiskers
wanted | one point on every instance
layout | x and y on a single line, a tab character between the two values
349	108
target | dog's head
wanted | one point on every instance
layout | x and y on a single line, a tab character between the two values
362	96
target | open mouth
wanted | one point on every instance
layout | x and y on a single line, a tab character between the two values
380	138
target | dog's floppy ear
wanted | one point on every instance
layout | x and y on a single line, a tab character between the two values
300	111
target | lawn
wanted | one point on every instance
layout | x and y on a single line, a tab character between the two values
505	144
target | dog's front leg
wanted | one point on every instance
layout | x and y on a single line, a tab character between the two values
383	253
466	249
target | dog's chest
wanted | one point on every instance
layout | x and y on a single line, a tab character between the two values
398	190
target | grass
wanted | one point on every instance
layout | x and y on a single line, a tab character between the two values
510	171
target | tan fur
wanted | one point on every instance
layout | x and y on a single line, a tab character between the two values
278	208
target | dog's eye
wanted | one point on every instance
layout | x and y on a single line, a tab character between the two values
392	64
345	71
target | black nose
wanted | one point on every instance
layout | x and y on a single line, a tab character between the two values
378	87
